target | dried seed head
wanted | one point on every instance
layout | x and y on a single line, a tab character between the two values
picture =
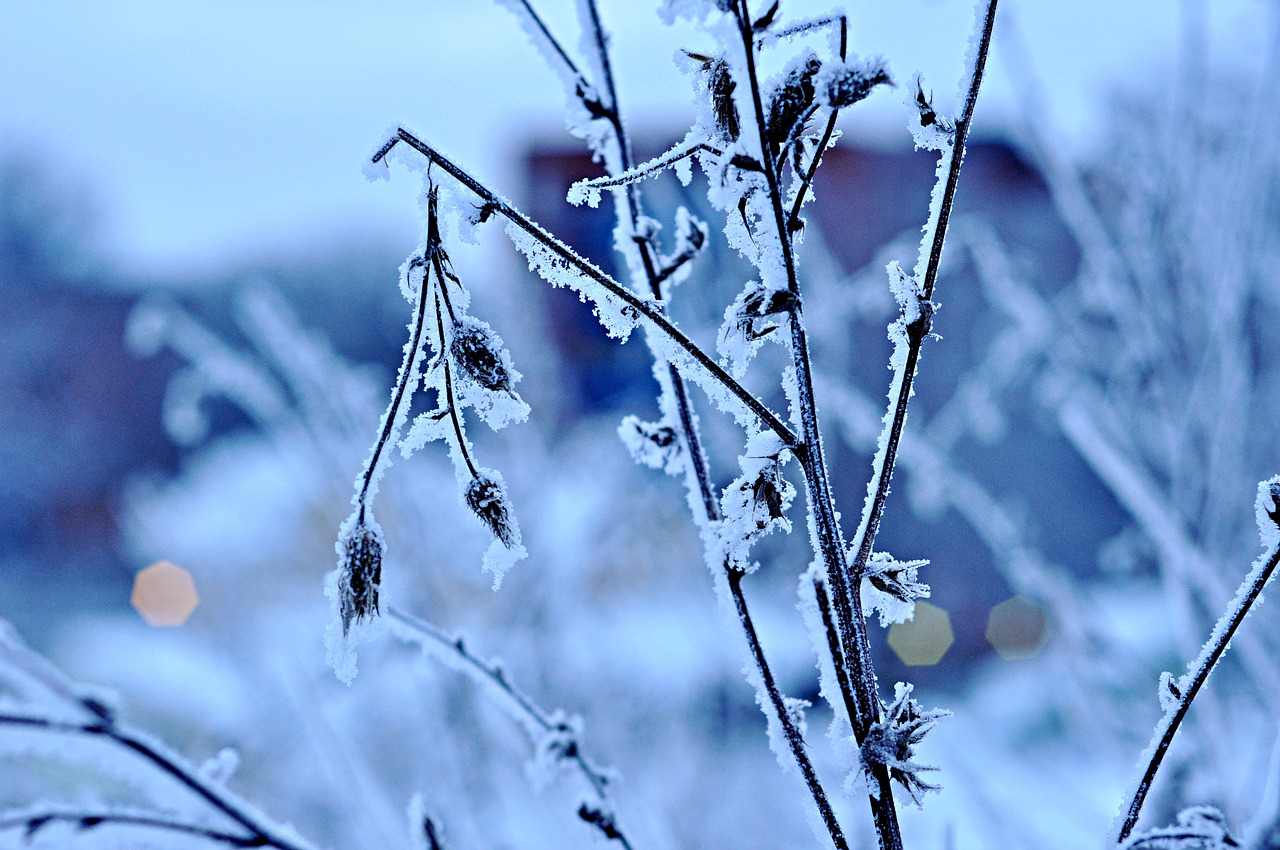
789	101
479	355
845	83
763	311
487	499
361	574
721	85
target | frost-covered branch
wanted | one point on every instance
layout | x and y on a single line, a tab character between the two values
709	374
697	478
35	820
916	302
556	738
1176	695
52	704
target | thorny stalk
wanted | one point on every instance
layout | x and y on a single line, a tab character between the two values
433	639
1184	690
860	694
698	458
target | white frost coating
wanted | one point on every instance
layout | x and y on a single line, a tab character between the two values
588	191
340	649
754	505
381	170
618	317
656	445
906	291
1247	597
219	769
1264	503
897	603
538	38
499	559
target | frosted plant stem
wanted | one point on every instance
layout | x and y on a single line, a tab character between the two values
698	459
1247	596
32	821
437	642
905	379
854	644
793	220
642	306
406	377
261	835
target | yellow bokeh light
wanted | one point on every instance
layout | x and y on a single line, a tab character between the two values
164	594
1017	628
924	639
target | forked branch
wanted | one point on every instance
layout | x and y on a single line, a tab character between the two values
708	373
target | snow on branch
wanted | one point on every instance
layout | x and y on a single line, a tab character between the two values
555	736
1176	695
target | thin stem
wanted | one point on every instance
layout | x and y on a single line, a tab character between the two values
405	377
852	624
698	458
1247	596
583	83
633	174
884	472
449	401
423	632
35	820
712	371
795	741
807	180
176	771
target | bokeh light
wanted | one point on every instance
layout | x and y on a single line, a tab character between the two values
1017	628
924	639
164	594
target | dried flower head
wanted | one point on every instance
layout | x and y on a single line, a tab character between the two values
842	84
720	86
477	351
361	574
790	101
487	499
763	311
891	741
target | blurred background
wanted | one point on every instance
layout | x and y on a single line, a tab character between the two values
202	322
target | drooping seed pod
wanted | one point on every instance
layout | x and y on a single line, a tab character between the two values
477	351
487	499
361	575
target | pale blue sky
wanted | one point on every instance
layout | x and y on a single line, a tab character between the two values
209	131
